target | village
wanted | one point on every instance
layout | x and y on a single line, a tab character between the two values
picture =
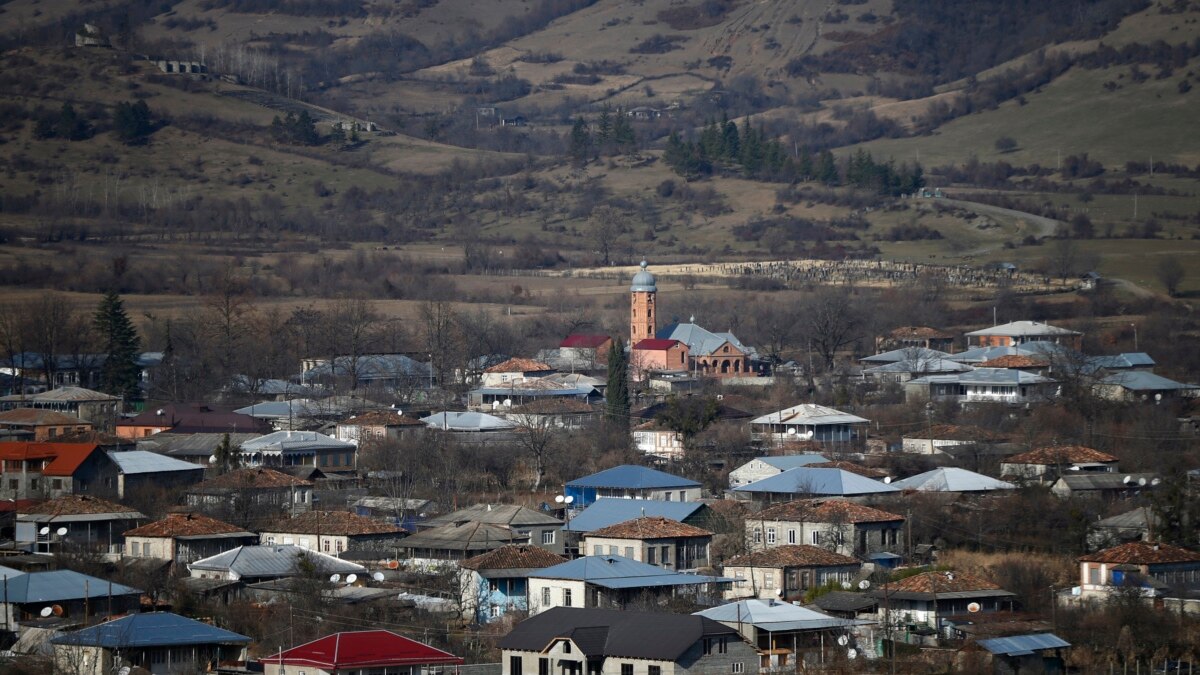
647	503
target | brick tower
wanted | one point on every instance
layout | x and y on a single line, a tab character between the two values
643	311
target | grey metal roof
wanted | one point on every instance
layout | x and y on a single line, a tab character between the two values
371	367
986	376
809	414
845	601
272	561
609	511
1139	518
818	481
139	461
785	462
467	421
619	572
952	479
189	445
643	281
1106	481
1125	360
907	354
1139	380
156	629
519	390
495	514
631	477
700	341
294	441
1022	645
60	585
1023	329
937	365
771	615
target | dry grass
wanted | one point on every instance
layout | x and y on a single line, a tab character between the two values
1062	569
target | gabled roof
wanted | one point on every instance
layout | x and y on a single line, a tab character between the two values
61	585
1140	380
610	511
809	414
294	441
468	536
649	527
827	511
80	505
39	417
938	365
615	633
1106	481
1142	553
792	555
1125	360
272	561
333	523
986	376
519	365
1061	454
1022	645
907	354
513	557
251	478
156	629
65	458
775	616
186	525
1016	361
701	342
68	394
362	649
655	344
952	479
512	515
829	482
918	333
614	571
631	477
467	421
943	582
1023	329
583	341
867	471
195	418
381	418
131	462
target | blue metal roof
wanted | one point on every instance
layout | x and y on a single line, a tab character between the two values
60	585
1021	645
817	481
150	630
605	512
634	478
614	571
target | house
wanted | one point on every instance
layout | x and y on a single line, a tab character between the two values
839	525
610	511
765	467
300	448
137	471
786	636
458	541
395	510
194	448
848	605
386	372
468	422
553	413
185	537
1046	464
537	528
924	337
918	605
573	641
1033	653
936	438
982	385
911	369
632	482
91	406
615	582
333	532
1020	332
42	425
1039	365
71	596
832	429
657	441
654	355
158	642
916	354
1139	385
377	426
1152	567
519	392
852	467
47	470
787	572
711	354
1133	525
249	564
656	540
952	479
591	351
514	369
75	521
358	652
497	582
806	481
252	492
304	413
195	418
1107	485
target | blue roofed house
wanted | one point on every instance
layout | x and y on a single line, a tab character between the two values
1031	653
157	643
765	467
983	385
68	595
811	482
609	511
787	635
1139	385
614	582
497	582
632	482
823	426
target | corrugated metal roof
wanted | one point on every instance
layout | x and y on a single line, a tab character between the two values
785	462
272	561
629	476
907	354
951	479
806	480
986	376
605	512
1139	380
467	421
1022	329
1018	645
158	629
808	414
937	365
140	461
614	571
772	615
60	585
700	341
293	441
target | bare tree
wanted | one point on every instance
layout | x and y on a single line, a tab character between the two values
538	437
47	322
441	338
1171	272
606	231
832	320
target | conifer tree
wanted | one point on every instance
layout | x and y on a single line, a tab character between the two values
616	395
120	374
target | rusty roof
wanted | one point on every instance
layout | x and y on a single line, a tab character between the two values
184	525
77	505
1015	361
513	557
652	527
257	477
1142	553
918	333
792	555
826	511
518	365
40	417
382	418
1061	454
869	472
335	523
943	582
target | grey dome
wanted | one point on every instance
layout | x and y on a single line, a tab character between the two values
643	281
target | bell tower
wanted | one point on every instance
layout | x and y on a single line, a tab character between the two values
643	308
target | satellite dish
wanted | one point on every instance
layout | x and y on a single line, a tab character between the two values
1127	480
974	607
124	670
335	578
57	610
779	592
846	585
351	578
949	576
62	532
864	584
44	530
46	612
569	499
1142	482
378	576
888	480
508	403
808	434
212	459
843	640
1156	481
852	654
558	499
791	431
393	564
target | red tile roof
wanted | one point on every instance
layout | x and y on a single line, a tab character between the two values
76	505
334	523
64	458
655	345
1142	553
260	477
183	525
39	417
582	341
801	555
943	582
519	366
362	649
653	527
513	557
826	511
1061	454
197	418
1015	361
918	333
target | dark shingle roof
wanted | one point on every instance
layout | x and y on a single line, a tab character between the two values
801	555
607	632
652	527
1142	553
513	557
827	511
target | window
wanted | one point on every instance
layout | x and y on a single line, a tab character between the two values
493	587
737	667
337	546
612	550
271	540
626	669
146	549
566	646
566	597
708	643
543	666
56	483
545	597
33	483
629	552
547	537
816	538
496	611
791	536
770	535
1093	575
757	536
769	580
653	670
722	646
325	545
514	665
597	550
13	484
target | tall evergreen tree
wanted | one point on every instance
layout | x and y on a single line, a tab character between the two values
120	374
616	395
579	145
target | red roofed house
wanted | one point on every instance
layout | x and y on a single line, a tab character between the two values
653	540
76	520
787	572
190	419
838	525
917	604
1046	465
45	425
514	370
591	349
1147	565
373	651
333	532
658	355
915	336
185	537
47	470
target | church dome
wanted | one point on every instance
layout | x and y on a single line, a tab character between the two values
643	281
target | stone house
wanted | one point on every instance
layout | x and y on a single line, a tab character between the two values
185	537
43	425
497	582
787	572
654	540
333	532
837	525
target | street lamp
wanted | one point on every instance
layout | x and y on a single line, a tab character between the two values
1135	339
